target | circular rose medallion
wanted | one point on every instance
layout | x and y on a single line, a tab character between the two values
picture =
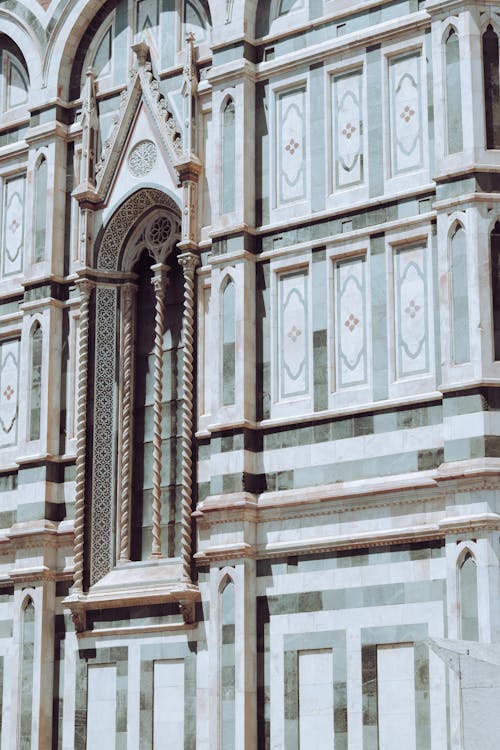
142	158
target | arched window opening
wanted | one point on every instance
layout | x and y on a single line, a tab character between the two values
287	6
228	343
27	659
36	383
101	64
227	667
40	209
14	80
469	627
228	157
460	299
145	392
491	88
453	94
495	288
197	20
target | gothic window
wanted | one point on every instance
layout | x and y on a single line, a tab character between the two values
491	88
227	666
228	157
495	288
460	301
196	19
14	82
469	628
147	15
36	383
26	682
228	343
40	219
101	63
453	94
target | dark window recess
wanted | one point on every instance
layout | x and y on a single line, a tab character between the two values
495	288
491	88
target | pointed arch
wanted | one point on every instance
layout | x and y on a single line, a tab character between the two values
35	391
468	599
228	339
453	92
495	289
227	658
14	77
26	670
228	155
459	293
491	82
40	208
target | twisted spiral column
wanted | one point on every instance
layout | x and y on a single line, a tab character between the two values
188	261
158	282
127	381
85	287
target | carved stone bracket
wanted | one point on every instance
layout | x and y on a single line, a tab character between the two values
187	609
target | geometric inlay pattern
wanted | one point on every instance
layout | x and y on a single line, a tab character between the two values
293	334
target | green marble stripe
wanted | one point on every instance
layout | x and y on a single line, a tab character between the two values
380	357
374	118
476	447
358	597
324	561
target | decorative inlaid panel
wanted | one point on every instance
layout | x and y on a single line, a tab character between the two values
350	322
293	334
291	146
406	113
348	129
13	225
410	294
9	392
104	433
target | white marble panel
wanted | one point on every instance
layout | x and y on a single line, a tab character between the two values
291	146
9	392
316	700
350	320
410	294
13	226
293	334
101	707
348	129
406	113
396	697
168	714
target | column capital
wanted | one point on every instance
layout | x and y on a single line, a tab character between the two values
189	262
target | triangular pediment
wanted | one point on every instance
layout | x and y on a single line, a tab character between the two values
142	159
141	102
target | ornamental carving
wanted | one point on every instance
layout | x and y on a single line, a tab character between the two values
142	158
123	221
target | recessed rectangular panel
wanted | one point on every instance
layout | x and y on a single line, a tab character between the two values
101	707
168	712
396	697
316	720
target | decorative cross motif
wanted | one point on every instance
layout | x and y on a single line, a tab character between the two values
292	146
348	130
8	392
351	322
294	334
412	308
407	113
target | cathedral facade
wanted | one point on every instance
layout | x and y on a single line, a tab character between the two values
249	372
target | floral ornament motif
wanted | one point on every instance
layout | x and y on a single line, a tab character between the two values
407	113
8	392
351	322
142	158
412	308
292	146
14	225
294	334
349	130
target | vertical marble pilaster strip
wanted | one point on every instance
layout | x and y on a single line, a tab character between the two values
374	121
379	348
127	406
81	437
188	261
158	282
